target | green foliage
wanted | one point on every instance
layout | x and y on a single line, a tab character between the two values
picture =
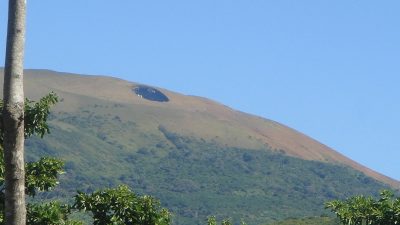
226	222
52	213
42	175
121	206
360	210
36	114
211	220
39	176
191	177
322	220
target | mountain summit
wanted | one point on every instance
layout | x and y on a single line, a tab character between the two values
189	151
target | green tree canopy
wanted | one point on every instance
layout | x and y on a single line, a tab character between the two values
361	210
121	206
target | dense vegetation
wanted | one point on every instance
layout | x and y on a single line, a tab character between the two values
323	220
117	206
192	177
362	210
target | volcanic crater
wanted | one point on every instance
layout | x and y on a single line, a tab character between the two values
150	93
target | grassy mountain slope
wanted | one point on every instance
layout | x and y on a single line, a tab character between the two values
186	115
199	157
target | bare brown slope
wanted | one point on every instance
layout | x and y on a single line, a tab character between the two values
188	115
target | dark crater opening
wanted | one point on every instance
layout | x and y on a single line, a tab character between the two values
150	93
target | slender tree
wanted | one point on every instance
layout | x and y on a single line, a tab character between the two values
13	115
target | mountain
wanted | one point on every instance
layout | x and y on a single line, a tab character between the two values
196	155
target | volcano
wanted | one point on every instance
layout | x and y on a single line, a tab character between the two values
198	156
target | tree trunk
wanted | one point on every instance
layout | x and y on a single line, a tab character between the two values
13	116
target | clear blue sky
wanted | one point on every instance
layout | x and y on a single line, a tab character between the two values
327	68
